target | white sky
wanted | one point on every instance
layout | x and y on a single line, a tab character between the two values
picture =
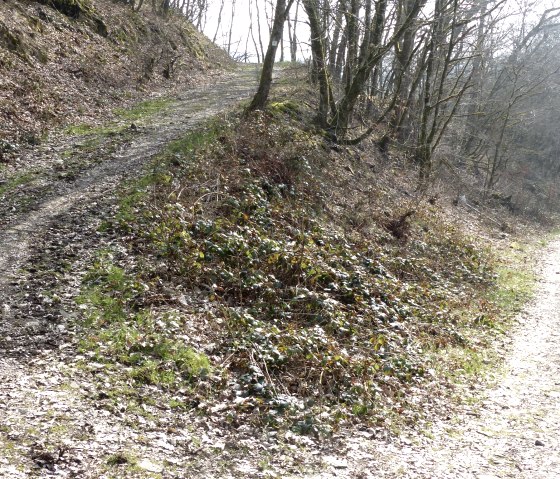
242	41
242	25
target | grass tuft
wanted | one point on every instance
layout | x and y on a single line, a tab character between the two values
120	330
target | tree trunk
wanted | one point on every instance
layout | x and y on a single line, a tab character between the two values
261	97
356	85
326	99
219	21
231	27
402	74
336	44
293	37
352	34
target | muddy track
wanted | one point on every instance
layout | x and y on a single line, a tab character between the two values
94	184
51	423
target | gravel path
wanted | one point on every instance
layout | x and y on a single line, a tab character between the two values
516	431
55	422
512	432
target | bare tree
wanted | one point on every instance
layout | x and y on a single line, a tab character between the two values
281	12
219	24
292	35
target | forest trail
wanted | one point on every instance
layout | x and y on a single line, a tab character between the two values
90	179
512	432
50	423
55	422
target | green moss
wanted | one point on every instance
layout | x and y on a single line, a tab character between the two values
103	130
15	181
285	107
124	117
514	289
144	109
515	279
121	458
137	193
115	330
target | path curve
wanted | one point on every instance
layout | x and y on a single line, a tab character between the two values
513	432
98	182
53	421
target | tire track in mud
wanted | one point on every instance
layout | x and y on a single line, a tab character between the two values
51	424
98	183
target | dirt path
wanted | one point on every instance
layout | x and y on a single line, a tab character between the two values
53	420
513	432
55	192
58	421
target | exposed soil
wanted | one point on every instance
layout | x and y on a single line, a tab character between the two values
59	420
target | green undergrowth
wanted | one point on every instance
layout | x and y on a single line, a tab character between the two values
124	116
480	360
143	109
15	181
516	280
135	338
308	323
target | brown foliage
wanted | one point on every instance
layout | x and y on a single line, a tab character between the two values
400	227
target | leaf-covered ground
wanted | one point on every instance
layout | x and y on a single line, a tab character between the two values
244	281
63	67
251	298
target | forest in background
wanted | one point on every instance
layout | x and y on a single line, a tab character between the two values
466	86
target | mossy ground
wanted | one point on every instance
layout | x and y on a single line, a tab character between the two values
516	279
123	119
16	181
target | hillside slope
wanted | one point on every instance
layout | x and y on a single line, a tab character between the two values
65	62
252	297
206	293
